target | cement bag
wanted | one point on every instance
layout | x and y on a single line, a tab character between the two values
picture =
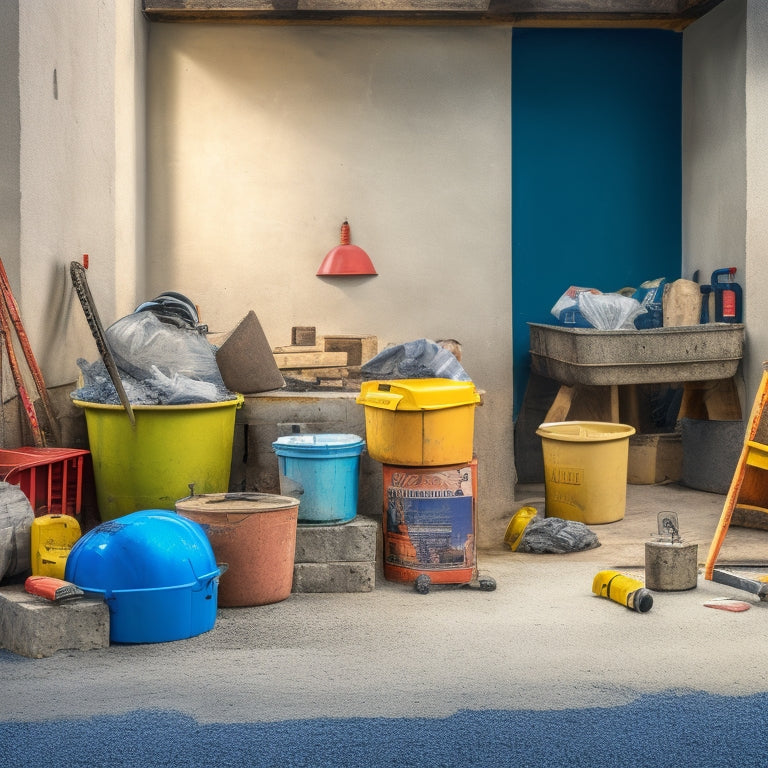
16	518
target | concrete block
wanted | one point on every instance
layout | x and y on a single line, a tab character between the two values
268	415
354	541
35	627
334	577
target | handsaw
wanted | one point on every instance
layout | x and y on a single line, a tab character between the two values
80	282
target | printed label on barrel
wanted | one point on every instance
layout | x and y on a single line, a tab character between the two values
567	475
429	519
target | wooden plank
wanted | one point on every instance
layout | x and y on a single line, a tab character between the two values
714	400
311	375
292	349
311	360
561	406
664	14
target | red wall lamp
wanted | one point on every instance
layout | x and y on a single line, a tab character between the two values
346	259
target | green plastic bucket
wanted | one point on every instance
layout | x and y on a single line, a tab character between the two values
152	465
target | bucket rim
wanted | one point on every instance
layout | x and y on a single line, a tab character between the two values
234	503
603	431
86	404
324	441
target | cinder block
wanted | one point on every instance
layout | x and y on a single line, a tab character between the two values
336	558
354	541
35	627
334	577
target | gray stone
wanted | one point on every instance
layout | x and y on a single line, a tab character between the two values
336	558
354	541
35	627
334	577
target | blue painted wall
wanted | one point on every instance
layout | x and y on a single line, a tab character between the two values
596	167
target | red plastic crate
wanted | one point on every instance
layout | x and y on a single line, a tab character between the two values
51	478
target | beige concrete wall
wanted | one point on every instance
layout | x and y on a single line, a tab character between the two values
725	170
262	140
714	148
81	165
757	189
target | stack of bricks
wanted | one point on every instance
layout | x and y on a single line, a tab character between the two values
313	362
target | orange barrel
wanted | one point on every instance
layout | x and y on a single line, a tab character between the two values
255	535
429	521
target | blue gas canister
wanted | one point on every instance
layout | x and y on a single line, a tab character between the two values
728	297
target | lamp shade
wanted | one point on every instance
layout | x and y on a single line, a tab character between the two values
346	259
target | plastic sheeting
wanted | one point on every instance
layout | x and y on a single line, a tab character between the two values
420	359
16	516
160	363
555	536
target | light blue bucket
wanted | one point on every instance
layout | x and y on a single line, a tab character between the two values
323	472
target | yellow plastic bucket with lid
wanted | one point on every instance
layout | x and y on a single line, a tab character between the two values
419	422
152	465
585	470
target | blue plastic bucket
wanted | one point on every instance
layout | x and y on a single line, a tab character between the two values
323	472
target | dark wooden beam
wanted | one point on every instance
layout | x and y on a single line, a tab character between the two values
668	14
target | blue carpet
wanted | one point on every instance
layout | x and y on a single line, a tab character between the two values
654	731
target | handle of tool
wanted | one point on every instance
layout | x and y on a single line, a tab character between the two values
37	375
18	380
80	282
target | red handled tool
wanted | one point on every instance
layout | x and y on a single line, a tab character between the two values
51	588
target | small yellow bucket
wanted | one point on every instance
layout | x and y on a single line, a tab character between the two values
585	470
52	537
152	465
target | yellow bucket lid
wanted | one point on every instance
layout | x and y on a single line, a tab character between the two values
418	394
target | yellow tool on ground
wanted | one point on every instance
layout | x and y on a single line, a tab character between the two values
623	589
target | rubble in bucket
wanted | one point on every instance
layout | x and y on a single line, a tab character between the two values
162	355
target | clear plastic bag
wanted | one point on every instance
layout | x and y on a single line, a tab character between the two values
610	311
566	309
154	351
